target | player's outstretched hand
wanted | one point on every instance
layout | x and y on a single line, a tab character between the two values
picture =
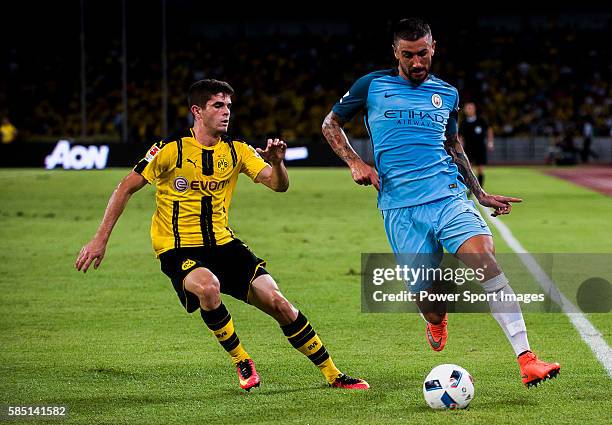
275	151
501	204
94	250
364	174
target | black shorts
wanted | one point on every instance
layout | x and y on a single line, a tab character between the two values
233	263
477	154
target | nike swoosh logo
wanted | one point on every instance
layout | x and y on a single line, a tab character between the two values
435	344
391	94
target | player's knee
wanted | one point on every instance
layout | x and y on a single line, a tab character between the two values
278	302
490	266
485	259
279	305
203	285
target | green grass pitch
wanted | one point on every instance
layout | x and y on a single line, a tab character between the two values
115	346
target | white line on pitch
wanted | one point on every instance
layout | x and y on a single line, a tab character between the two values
585	328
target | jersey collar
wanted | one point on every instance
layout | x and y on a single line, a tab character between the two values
195	141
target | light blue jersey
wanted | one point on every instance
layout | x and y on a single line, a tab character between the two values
422	195
407	124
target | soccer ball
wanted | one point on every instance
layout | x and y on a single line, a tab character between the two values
448	386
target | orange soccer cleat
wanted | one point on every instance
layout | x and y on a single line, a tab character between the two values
247	375
534	371
345	381
437	334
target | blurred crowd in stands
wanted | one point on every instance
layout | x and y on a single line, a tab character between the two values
529	77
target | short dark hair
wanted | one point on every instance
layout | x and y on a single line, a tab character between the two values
201	91
410	29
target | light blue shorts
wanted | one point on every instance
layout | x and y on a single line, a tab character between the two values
430	228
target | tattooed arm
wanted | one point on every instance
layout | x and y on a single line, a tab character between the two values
501	204
455	150
362	173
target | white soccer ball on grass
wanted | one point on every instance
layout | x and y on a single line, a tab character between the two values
448	386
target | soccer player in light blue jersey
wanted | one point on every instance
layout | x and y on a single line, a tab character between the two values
422	174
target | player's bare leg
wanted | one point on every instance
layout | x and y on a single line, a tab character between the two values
434	313
266	296
479	252
205	285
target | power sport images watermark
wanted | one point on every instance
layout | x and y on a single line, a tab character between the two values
393	283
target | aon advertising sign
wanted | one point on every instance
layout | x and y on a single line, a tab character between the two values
77	157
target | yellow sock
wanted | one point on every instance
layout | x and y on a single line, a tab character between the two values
220	322
303	338
329	369
239	354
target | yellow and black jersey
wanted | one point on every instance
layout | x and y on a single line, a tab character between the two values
194	189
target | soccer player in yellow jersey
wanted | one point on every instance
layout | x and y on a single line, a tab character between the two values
195	175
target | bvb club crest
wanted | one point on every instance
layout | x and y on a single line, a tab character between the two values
222	164
187	264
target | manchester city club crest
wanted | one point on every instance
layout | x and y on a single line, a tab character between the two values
436	100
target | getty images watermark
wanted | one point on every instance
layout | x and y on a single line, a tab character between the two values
416	280
396	283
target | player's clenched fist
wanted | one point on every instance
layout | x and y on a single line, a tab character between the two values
364	174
